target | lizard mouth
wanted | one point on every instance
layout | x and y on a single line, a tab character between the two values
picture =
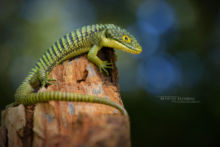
131	50
115	44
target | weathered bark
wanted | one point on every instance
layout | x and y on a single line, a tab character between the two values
71	123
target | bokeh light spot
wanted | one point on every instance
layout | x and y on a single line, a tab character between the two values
155	17
158	74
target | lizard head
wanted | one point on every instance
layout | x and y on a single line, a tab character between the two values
119	38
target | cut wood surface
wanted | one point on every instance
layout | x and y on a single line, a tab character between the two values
71	123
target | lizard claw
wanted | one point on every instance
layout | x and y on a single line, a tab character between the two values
104	65
43	76
46	82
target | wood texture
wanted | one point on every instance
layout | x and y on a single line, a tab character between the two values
72	123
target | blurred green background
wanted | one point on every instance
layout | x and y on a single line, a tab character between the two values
171	90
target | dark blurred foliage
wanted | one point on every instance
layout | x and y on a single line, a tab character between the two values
180	60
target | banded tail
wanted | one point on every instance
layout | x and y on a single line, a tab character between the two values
33	98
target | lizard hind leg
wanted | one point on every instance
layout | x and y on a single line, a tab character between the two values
43	77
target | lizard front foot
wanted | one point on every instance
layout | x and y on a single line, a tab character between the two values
104	65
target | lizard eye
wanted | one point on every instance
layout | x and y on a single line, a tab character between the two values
126	38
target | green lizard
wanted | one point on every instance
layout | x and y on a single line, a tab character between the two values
89	39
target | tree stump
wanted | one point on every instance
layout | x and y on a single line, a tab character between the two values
71	123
